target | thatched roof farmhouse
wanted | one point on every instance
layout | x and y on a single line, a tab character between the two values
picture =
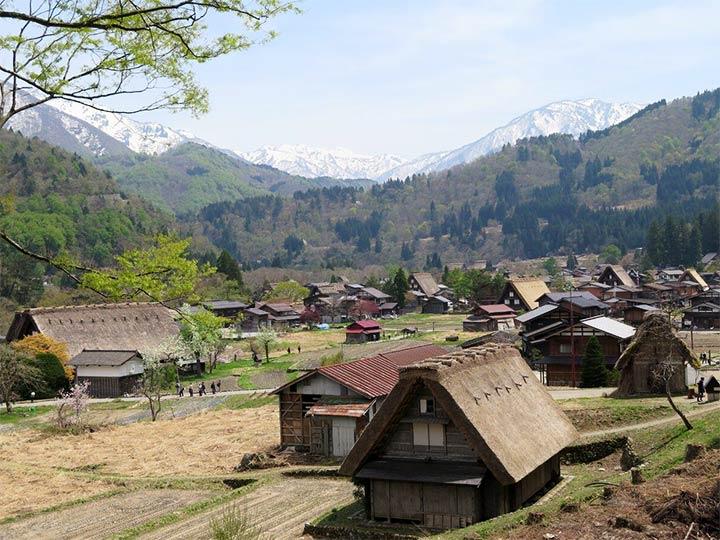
654	342
124	327
462	437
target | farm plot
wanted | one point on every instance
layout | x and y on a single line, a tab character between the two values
279	510
178	447
102	518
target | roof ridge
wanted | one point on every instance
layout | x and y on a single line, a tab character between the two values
105	305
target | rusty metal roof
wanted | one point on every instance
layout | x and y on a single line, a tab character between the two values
376	376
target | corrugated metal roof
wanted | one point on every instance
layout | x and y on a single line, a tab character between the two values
376	376
366	324
610	326
496	309
353	410
537	312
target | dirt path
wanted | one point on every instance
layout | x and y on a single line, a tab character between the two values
651	423
279	510
103	518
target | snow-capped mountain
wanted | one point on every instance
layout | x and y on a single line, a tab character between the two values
78	127
573	117
311	162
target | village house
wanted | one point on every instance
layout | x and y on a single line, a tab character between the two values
463	437
363	331
490	317
324	411
254	319
709	258
704	316
557	349
655	342
230	309
100	327
111	374
522	294
693	275
374	295
615	275
280	315
635	314
436	304
430	296
424	283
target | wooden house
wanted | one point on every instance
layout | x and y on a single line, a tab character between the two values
712	387
254	319
424	283
654	342
323	411
363	331
109	327
635	314
690	274
111	374
705	316
280	315
388	309
436	304
615	275
522	294
229	309
461	438
557	349
490	317
373	295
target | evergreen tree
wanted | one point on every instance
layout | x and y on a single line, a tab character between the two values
406	253
571	262
655	243
594	371
400	287
378	245
227	265
693	247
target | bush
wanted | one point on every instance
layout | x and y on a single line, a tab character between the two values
594	371
53	373
233	524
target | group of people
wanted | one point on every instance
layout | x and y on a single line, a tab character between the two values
201	390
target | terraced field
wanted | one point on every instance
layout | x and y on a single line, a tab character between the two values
279	510
102	518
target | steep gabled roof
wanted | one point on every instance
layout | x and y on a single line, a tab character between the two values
490	394
126	326
426	282
103	358
620	273
692	275
529	290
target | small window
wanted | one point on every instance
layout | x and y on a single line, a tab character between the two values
426	435
565	348
516	301
427	406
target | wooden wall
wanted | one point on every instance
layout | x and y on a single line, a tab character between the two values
110	387
433	505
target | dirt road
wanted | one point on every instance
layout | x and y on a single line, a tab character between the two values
102	518
279	510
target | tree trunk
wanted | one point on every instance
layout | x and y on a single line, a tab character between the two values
8	406
267	352
687	423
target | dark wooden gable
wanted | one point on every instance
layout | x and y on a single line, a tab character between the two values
424	430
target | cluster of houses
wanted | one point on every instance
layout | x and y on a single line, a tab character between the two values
342	301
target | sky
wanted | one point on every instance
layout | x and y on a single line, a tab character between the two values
411	77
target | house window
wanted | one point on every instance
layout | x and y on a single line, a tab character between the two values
565	348
427	406
511	294
425	435
516	302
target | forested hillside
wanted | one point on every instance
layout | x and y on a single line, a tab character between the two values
543	195
55	202
190	176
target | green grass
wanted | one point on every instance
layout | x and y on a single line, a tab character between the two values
238	402
21	414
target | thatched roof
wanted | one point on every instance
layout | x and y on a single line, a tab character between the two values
529	290
655	327
692	275
426	282
128	327
621	275
491	395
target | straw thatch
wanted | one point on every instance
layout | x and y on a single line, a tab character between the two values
654	342
428	285
129	326
529	290
490	394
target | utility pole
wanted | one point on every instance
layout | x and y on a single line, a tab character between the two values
572	340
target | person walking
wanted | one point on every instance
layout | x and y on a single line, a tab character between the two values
191	391
218	386
212	387
701	389
298	349
201	390
288	350
181	392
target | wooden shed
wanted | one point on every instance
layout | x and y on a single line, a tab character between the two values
111	374
325	410
439	452
654	342
363	331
